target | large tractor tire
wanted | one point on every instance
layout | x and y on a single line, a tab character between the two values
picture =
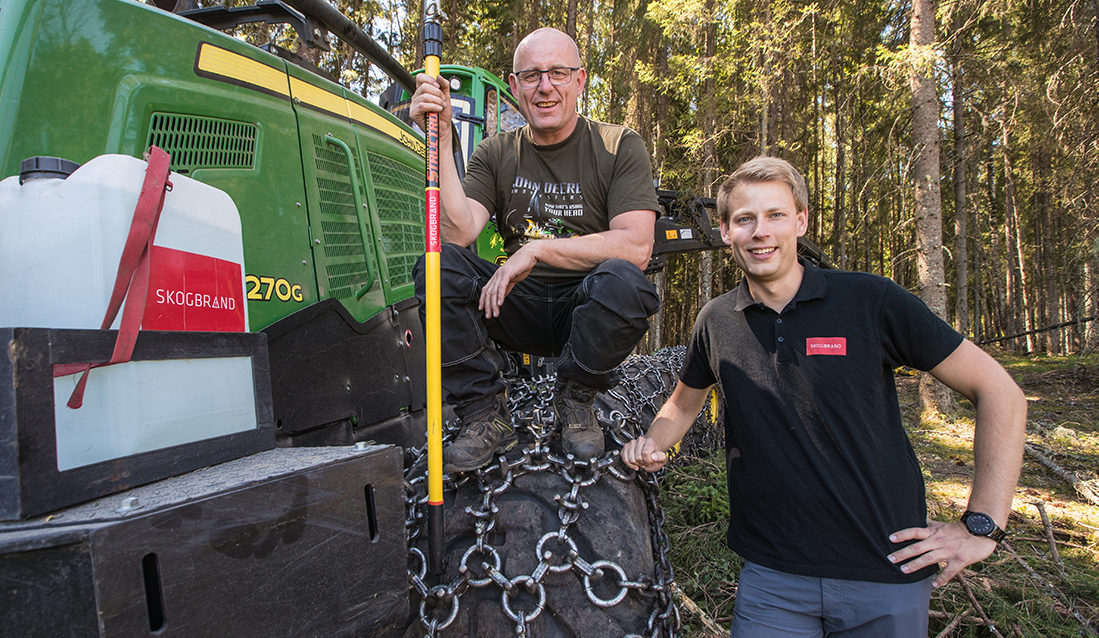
540	544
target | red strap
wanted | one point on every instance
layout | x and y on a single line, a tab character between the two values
133	273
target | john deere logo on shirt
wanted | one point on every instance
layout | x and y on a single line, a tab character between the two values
550	199
826	345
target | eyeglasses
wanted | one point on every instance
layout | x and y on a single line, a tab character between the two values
558	75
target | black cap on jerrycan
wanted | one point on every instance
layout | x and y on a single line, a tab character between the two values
44	166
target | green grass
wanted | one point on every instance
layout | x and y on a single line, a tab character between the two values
1063	422
1038	364
697	508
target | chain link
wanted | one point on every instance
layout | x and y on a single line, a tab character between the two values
625	412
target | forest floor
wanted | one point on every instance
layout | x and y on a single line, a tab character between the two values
1042	582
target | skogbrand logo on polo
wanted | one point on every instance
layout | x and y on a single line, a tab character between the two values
836	346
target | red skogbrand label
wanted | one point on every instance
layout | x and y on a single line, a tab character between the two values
433	245
193	292
826	345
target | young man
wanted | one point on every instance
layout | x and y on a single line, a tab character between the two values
826	495
575	204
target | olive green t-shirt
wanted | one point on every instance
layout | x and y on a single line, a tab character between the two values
574	187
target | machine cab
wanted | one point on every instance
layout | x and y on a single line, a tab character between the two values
483	106
482	102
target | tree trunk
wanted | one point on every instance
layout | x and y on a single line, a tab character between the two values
1046	244
570	19
614	91
979	325
1009	318
934	397
588	43
863	201
818	155
1095	14
451	24
1015	240
839	216
419	8
1089	304
961	212
660	143
709	149
639	108
881	225
999	275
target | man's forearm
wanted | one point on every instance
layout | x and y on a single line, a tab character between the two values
1000	430
676	416
588	251
998	440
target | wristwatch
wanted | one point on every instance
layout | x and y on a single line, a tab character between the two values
980	524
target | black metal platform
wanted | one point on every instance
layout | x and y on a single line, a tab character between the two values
287	542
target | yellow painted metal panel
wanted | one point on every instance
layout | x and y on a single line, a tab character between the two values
214	60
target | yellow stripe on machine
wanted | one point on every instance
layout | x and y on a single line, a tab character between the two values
222	64
318	98
363	115
216	61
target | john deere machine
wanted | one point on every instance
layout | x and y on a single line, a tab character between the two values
253	465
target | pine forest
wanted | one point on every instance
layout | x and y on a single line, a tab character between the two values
951	146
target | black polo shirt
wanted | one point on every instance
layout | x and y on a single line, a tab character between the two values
820	469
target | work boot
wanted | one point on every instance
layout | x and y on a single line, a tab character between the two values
483	435
581	434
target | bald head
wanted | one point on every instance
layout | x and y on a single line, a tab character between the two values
546	38
548	105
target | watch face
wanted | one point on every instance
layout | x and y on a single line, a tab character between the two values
979	524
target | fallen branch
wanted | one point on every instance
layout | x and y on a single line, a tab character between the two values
1063	324
712	628
1045	449
1035	539
977	606
1080	486
1049	536
953	624
968	620
1042	583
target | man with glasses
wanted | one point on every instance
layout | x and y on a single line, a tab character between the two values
575	204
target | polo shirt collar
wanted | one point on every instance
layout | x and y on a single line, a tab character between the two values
813	286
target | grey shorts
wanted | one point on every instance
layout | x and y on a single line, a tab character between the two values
773	604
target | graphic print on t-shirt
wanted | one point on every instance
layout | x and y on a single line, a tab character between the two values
548	206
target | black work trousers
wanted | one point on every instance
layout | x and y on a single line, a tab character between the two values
592	323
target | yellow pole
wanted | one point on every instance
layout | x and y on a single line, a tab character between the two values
433	47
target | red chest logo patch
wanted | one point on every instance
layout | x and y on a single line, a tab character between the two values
826	345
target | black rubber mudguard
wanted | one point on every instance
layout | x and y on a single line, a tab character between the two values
336	381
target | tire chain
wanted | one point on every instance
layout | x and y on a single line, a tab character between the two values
530	404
